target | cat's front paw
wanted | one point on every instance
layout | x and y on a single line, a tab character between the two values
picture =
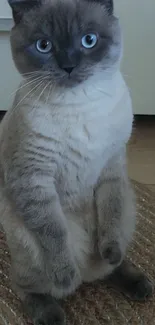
65	277
110	251
63	274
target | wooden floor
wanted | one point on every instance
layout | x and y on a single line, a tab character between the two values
141	152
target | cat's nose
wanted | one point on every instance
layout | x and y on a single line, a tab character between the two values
68	69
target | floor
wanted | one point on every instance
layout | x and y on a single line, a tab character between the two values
141	151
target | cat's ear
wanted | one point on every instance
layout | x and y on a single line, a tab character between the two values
109	5
19	7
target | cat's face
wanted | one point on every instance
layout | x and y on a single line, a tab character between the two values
68	40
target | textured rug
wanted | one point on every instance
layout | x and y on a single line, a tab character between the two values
95	304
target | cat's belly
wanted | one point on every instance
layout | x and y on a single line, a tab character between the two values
76	188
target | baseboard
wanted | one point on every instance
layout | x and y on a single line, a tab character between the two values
2	113
5	24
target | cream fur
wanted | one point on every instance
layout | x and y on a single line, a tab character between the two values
85	129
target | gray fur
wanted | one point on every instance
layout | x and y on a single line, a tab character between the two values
64	24
115	199
66	202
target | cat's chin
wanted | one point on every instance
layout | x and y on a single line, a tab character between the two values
71	81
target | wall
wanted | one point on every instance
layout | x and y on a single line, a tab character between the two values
5	16
9	78
138	24
5	11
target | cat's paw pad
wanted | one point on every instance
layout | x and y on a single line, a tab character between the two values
111	252
141	289
51	316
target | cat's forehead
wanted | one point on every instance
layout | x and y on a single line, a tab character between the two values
65	13
72	5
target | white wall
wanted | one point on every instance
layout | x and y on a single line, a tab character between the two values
9	78
5	11
138	24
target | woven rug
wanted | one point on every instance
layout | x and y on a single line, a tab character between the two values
95	304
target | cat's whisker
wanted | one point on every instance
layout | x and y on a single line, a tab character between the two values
103	91
42	75
36	86
26	84
42	92
126	76
32	77
50	88
33	72
84	91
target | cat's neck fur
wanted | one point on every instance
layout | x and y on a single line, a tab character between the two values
105	87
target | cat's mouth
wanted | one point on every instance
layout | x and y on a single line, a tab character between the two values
71	80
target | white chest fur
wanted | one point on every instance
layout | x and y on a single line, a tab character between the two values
84	129
89	125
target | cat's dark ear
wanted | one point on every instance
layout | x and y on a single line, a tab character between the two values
109	5
19	7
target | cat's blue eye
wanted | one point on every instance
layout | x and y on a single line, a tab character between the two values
43	46
89	40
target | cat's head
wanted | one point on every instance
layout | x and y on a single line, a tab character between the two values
66	40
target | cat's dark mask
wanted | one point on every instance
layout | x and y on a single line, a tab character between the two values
64	39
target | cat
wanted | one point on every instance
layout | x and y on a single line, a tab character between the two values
67	206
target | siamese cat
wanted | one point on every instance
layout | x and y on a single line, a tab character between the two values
67	206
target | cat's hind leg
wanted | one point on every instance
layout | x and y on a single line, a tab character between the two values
44	310
29	278
131	281
31	283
